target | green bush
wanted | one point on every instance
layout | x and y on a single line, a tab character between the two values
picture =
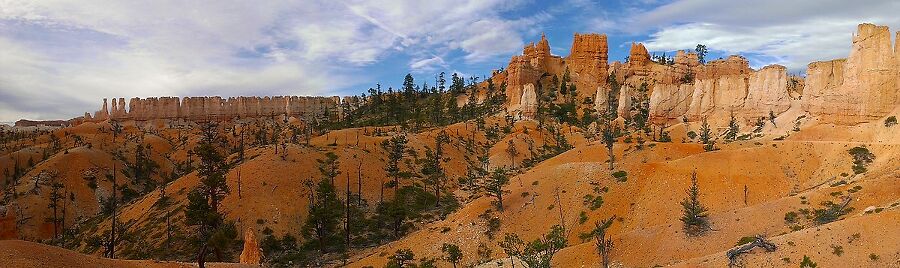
808	263
890	121
861	158
790	217
745	240
621	176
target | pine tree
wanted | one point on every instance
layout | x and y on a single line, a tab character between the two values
512	152
395	147
609	140
452	254
694	215
328	167
494	186
323	225
55	197
706	137
701	53
733	129
213	234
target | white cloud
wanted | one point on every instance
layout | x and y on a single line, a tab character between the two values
427	64
791	33
66	55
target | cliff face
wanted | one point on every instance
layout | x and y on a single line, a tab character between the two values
588	62
207	108
861	88
528	68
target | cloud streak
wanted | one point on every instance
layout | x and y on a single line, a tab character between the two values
791	33
66	55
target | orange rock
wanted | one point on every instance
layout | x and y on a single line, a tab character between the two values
251	253
861	88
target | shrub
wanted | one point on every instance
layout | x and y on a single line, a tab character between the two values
745	240
493	225
837	250
873	257
831	212
691	134
790	217
890	121
807	263
861	158
621	176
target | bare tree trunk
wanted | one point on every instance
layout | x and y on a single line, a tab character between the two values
347	221
201	256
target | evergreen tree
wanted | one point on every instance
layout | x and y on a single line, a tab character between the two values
323	224
452	254
328	167
213	234
494	186
55	197
603	242
706	137
733	129
395	148
694	215
512	152
609	140
701	53
537	253
401	258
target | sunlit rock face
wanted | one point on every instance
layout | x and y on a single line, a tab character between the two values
861	88
214	108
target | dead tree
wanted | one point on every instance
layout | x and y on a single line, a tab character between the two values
735	253
604	242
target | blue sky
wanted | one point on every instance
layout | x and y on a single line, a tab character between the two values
59	58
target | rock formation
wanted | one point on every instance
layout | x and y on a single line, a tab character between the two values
251	253
46	123
861	88
588	61
528	68
768	91
529	101
207	108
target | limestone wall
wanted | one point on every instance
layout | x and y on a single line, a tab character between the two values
217	108
863	87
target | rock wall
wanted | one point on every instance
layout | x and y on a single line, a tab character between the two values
218	108
529	101
859	89
527	68
587	62
768	91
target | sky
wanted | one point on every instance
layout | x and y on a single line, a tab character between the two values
59	58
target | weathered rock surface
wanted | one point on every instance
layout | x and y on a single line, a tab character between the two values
38	123
251	254
861	88
768	92
588	62
208	108
528	68
529	101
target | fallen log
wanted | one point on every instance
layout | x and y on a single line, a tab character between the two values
760	242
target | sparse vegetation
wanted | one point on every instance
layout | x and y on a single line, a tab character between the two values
861	158
694	215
